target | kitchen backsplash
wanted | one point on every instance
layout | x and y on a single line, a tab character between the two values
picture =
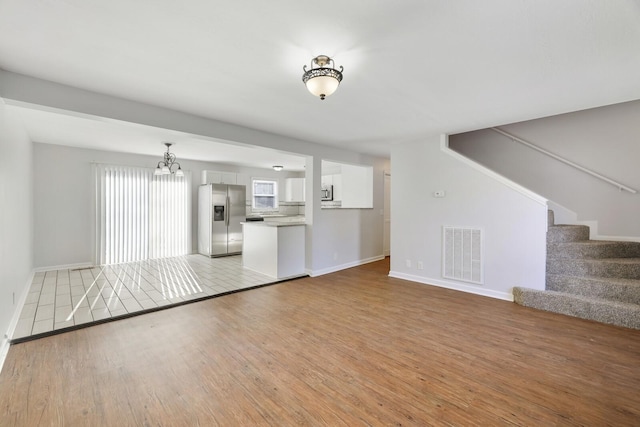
284	208
333	204
293	208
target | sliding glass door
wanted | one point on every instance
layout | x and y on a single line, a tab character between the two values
141	216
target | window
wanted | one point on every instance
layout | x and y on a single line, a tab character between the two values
265	194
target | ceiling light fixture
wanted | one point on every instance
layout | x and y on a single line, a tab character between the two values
165	166
277	168
322	81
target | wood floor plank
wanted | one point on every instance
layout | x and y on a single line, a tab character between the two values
346	349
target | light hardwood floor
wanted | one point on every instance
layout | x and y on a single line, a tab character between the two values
350	348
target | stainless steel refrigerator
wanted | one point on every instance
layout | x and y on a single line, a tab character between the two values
221	209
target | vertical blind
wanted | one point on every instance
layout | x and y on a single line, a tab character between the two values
140	215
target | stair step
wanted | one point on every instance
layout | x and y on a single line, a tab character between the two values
567	233
596	280
622	290
600	310
594	249
625	268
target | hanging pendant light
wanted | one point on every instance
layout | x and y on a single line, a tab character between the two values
165	166
320	80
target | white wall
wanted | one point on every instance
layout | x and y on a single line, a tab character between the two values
602	139
16	210
513	221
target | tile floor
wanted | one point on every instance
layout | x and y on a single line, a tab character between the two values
61	299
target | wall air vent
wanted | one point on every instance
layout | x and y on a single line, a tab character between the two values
462	254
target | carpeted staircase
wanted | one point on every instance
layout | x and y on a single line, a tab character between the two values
590	279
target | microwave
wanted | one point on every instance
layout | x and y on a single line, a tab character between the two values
326	192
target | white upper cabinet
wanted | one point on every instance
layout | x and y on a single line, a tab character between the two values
352	184
337	187
357	186
243	179
215	177
294	190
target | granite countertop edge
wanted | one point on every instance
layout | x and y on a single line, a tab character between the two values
273	223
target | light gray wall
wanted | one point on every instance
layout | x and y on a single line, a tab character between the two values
513	221
605	140
63	198
16	210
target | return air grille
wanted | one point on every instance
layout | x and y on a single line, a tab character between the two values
462	254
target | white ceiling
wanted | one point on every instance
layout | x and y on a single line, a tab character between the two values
411	67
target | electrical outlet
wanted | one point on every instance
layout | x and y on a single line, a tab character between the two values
439	193
408	263
420	265
335	256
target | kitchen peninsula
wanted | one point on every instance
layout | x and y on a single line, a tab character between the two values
274	248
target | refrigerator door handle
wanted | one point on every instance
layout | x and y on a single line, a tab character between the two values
227	213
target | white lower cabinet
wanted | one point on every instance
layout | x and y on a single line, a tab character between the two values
275	250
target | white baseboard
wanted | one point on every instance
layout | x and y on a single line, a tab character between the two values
4	346
4	349
314	273
454	285
64	267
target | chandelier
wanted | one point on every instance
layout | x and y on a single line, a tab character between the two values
165	166
322	81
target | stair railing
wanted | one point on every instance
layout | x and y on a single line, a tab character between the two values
565	161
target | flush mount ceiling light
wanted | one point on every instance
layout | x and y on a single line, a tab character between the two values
320	80
165	166
277	168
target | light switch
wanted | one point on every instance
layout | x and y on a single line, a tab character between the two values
439	193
